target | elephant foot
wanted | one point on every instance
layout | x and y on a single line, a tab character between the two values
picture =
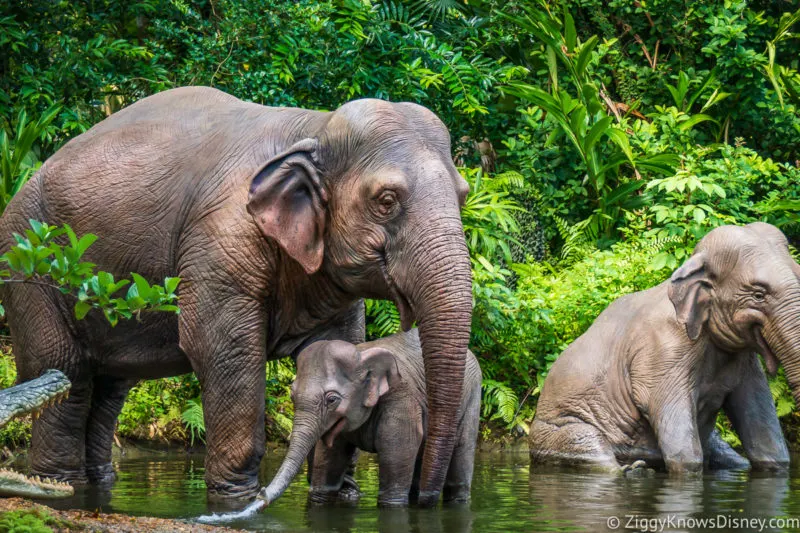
223	491
428	498
349	491
323	497
768	466
457	494
103	475
395	502
637	469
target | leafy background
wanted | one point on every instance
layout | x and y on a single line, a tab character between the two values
601	140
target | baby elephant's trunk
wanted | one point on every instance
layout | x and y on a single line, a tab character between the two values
305	434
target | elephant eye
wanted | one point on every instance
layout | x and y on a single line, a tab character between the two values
759	296
331	399
387	201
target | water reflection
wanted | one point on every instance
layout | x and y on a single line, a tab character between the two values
507	496
588	501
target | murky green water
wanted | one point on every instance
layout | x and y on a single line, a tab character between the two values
506	496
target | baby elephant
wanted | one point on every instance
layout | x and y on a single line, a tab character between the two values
372	397
647	379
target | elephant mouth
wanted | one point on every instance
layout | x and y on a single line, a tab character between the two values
769	358
330	436
402	303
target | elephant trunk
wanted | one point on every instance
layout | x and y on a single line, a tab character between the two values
781	340
789	355
438	284
305	434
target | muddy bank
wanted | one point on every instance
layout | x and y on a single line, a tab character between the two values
28	512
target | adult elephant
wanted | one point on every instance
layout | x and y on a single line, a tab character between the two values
278	221
647	379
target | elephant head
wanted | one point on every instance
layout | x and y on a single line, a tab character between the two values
337	387
371	200
741	287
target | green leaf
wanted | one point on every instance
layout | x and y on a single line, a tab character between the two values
585	55
73	239
84	243
170	284
570	35
81	309
598	130
142	287
622	192
660	261
699	215
695	120
621	139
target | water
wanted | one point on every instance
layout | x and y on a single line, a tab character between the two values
506	496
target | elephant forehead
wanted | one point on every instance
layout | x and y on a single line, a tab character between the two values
376	122
330	358
744	246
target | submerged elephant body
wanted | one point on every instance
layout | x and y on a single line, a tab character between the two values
278	221
647	379
372	397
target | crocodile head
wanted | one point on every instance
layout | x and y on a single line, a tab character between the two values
15	484
31	397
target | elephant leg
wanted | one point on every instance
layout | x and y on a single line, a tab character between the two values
349	489
42	340
674	421
571	444
108	397
751	410
398	443
58	438
224	341
330	467
720	456
459	474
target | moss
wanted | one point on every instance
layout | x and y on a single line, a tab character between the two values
32	521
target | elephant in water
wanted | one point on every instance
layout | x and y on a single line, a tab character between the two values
278	221
372	397
647	379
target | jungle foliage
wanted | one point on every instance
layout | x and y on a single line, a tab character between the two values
601	139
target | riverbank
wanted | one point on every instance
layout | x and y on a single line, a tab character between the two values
17	514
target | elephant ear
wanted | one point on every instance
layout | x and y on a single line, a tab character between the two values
690	291
288	203
382	373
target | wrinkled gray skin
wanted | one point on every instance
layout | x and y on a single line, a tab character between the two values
647	380
371	397
278	221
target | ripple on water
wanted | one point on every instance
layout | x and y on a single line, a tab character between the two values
507	496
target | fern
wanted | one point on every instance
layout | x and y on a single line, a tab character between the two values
281	370
383	318
499	402
577	239
489	214
655	245
782	394
436	9
193	419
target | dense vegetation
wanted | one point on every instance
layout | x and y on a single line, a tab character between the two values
602	139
